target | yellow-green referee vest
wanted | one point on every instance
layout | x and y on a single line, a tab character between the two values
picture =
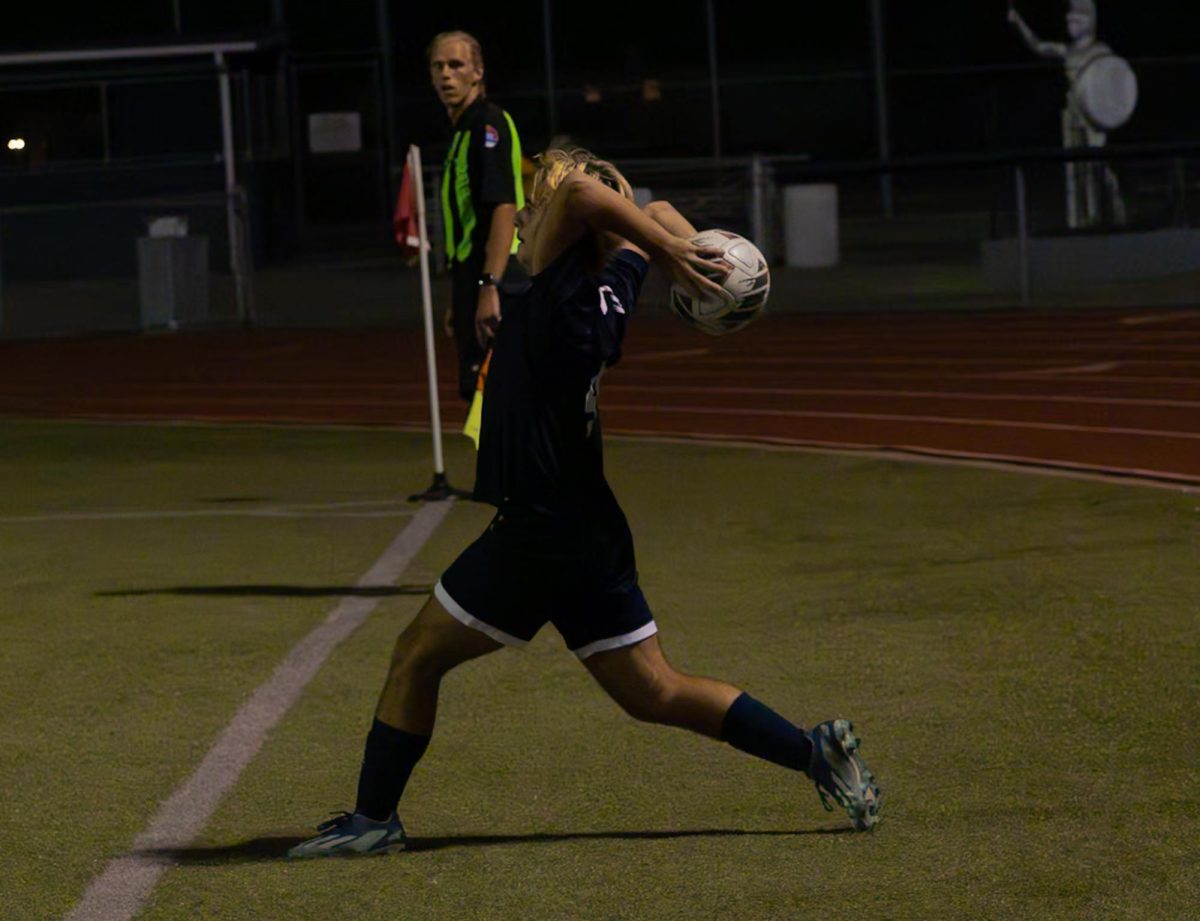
482	170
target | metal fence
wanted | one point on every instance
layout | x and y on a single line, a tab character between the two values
967	231
964	233
141	264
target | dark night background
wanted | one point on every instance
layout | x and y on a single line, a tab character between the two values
794	79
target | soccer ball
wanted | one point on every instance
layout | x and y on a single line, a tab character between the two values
746	286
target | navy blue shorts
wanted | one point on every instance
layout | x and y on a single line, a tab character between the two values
526	570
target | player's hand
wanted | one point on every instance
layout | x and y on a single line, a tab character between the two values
693	268
448	322
487	314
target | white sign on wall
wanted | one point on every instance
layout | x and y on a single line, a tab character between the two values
334	132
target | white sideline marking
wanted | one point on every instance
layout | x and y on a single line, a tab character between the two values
119	892
332	510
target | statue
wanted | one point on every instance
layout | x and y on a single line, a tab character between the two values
1101	96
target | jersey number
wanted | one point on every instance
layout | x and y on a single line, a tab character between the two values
605	300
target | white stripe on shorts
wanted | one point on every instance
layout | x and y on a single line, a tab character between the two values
459	613
616	642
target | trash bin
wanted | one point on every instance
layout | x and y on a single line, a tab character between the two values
810	225
172	275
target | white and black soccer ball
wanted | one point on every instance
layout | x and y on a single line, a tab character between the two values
746	286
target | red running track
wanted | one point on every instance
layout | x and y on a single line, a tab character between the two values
1101	391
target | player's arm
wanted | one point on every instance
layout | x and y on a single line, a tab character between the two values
582	204
664	213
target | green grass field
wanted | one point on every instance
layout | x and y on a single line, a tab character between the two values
1018	652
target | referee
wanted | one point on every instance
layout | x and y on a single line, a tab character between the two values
481	194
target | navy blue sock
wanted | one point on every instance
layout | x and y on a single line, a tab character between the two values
389	758
758	730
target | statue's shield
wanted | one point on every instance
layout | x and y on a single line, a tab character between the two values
1107	91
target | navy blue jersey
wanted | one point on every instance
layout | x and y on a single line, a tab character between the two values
539	444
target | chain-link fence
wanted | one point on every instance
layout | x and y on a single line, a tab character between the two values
961	233
135	264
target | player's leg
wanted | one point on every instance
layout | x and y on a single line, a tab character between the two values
647	687
610	627
639	678
428	648
642	682
486	599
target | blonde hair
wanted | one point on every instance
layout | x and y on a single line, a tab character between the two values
554	165
457	35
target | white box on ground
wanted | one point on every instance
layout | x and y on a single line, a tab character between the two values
172	281
171	225
810	225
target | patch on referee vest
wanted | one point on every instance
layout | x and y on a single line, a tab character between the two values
491	137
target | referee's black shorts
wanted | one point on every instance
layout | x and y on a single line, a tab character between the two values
528	569
465	301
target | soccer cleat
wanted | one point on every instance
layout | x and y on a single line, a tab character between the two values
841	775
349	834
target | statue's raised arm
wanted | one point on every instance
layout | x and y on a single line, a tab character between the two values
1035	44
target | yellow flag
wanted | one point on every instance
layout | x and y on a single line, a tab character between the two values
475	415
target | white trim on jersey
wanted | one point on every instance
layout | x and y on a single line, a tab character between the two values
616	642
459	613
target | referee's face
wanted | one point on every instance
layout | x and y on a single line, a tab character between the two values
455	77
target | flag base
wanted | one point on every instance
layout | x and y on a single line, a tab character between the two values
439	491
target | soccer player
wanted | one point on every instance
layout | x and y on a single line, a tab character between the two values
481	192
559	548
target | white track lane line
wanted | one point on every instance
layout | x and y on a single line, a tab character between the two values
1097	368
903	394
666	355
897	417
1144	320
776	391
121	890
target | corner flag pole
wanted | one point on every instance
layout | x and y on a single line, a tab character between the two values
440	488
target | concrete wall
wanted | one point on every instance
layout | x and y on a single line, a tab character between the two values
1066	262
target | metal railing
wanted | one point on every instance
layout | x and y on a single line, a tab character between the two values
946	210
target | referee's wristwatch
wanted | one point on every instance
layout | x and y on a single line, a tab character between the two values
488	280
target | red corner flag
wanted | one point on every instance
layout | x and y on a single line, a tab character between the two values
404	219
